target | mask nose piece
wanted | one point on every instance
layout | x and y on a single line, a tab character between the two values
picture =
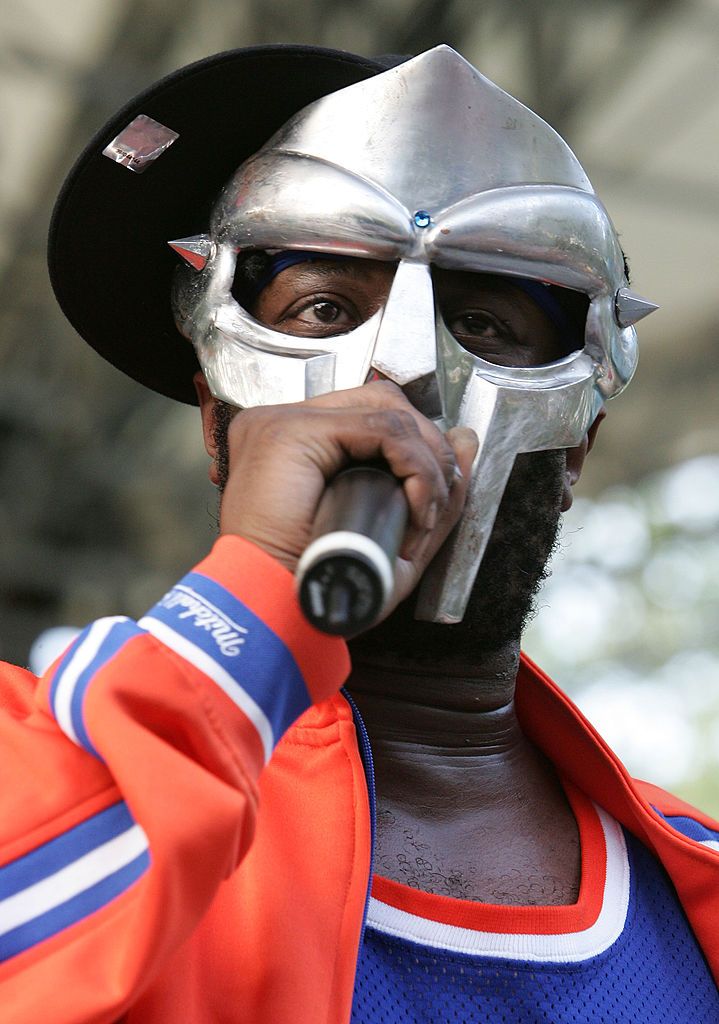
406	347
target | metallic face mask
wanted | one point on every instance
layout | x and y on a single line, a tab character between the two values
426	164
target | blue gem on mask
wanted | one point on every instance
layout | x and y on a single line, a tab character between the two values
422	219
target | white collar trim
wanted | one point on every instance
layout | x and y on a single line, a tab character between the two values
568	947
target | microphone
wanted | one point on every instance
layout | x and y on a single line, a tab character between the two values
346	574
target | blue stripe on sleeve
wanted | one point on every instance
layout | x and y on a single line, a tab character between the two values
94	648
215	621
689	827
118	636
66	848
69	878
73	910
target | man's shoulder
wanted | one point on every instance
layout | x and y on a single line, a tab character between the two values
561	731
680	815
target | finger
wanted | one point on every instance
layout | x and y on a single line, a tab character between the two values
465	444
384	394
330	437
415	558
297	448
394	435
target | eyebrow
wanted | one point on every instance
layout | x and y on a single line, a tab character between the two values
346	266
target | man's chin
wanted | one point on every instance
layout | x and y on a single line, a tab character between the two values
512	571
490	623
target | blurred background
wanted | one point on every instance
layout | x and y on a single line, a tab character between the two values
103	492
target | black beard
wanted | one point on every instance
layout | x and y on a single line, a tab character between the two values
222	415
510	575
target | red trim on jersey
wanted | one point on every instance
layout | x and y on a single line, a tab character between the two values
534	920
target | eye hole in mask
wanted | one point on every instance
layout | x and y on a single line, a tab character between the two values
312	295
507	321
510	321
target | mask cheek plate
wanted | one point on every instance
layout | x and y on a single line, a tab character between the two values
508	419
237	373
247	363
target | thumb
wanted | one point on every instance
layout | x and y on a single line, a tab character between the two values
465	445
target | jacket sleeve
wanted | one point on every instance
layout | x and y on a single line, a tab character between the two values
129	780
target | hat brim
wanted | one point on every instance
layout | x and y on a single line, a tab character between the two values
110	265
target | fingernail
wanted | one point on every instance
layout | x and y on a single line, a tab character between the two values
431	520
457	472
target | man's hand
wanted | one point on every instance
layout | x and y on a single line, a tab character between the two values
281	458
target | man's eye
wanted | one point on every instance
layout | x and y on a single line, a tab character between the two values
324	312
480	326
319	317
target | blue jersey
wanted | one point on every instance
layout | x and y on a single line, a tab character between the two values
623	952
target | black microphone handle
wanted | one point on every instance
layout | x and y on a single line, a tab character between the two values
346	574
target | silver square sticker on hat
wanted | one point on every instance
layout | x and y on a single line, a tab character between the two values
140	144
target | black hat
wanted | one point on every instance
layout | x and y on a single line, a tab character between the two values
110	264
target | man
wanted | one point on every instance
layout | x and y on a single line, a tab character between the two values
413	270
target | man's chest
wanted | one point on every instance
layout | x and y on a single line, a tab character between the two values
624	952
485	861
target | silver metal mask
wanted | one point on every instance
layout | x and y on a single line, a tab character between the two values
427	164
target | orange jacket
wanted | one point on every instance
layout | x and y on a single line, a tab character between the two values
140	882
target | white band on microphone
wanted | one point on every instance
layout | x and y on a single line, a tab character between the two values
347	542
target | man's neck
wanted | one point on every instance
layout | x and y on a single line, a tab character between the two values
466	806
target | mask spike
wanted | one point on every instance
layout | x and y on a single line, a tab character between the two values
630	307
195	250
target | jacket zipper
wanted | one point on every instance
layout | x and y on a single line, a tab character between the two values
365	750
